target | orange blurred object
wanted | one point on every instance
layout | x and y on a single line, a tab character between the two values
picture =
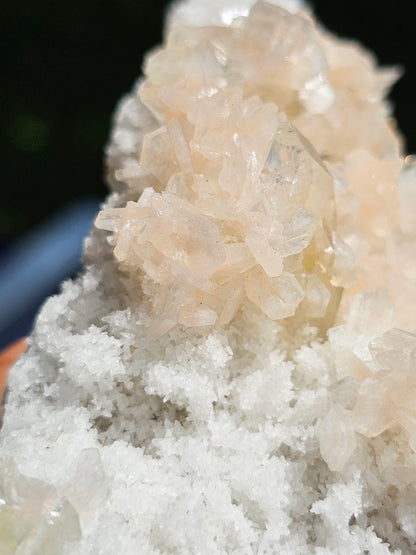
7	357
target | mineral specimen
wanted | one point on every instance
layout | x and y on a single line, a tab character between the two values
235	370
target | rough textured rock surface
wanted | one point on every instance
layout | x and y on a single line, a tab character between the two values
235	369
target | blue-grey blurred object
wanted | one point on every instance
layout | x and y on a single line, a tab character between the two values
32	269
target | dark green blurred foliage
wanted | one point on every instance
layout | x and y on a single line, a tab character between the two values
65	65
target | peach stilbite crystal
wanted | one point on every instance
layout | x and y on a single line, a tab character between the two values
240	205
214	93
388	397
379	398
247	212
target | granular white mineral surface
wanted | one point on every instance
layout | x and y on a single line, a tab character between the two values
234	371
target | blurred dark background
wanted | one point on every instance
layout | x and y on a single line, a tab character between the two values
65	65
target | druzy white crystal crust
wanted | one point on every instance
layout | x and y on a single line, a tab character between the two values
235	369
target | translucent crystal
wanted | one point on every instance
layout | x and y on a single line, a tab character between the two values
337	439
277	297
32	517
374	409
388	397
344	392
87	484
352	365
371	311
317	297
395	350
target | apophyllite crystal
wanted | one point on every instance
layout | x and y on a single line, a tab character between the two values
235	369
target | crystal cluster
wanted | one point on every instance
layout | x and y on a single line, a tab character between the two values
230	201
233	201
